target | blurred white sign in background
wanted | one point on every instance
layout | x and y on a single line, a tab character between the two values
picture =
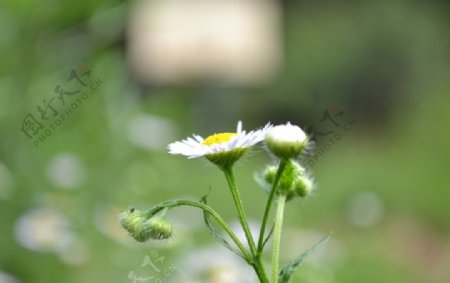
191	41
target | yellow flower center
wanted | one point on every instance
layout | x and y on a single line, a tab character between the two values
218	138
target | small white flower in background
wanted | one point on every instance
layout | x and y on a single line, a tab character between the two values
66	170
77	253
48	230
365	209
286	141
150	132
223	149
44	230
212	265
7	278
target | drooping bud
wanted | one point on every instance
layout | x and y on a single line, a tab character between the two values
143	228
286	141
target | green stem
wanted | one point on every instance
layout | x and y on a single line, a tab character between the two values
240	208
280	170
207	208
281	201
260	272
257	264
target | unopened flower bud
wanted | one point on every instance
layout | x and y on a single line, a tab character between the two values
142	228
286	183
304	186
292	172
270	173
286	141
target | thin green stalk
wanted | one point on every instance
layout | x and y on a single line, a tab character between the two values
214	214
281	201
260	270
240	208
280	170
257	264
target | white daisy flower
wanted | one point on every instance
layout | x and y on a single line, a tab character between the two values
223	149
286	141
212	265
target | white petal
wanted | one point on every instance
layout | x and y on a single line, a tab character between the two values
239	127
193	147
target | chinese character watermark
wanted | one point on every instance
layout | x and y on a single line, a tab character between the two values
79	86
153	269
334	125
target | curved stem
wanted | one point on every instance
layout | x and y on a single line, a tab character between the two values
280	170
281	201
240	208
207	208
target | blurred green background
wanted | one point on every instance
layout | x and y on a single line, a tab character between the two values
382	186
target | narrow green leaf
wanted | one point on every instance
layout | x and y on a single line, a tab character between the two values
214	232
268	237
291	267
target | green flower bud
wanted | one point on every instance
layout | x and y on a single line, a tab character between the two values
286	183
304	186
142	228
293	181
270	173
286	141
291	173
160	229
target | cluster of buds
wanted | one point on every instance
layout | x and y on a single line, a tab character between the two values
287	142
143	228
293	181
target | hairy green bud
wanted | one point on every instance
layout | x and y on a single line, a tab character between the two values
270	173
143	228
291	182
304	186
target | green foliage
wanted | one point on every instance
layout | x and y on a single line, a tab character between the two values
217	236
288	269
384	62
